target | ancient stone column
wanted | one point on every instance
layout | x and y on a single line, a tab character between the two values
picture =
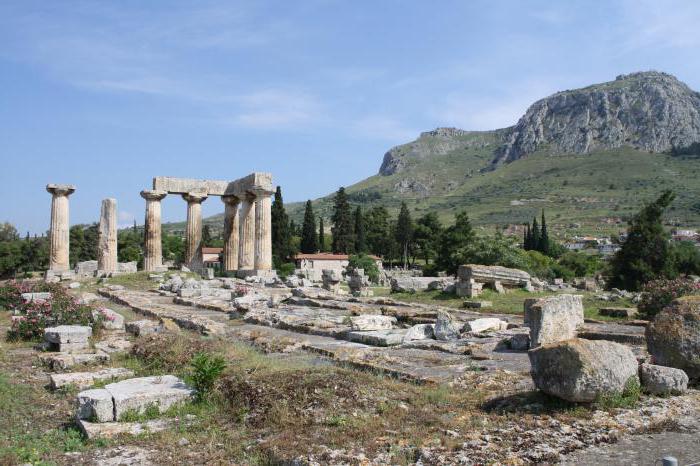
263	231
246	240
193	233
59	234
153	249
231	232
107	237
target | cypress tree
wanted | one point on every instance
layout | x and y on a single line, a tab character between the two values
360	233
534	235
206	236
321	235
404	232
309	240
342	229
526	237
543	245
281	234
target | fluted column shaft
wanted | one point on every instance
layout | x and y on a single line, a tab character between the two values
193	233
153	248
263	231
59	233
246	253
231	232
107	237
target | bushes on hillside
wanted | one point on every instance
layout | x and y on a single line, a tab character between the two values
658	294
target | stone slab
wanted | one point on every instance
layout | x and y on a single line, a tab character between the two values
67	334
378	337
63	361
140	393
93	430
254	181
95	405
144	327
87	379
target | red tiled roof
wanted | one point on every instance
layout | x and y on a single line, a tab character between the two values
326	256
212	250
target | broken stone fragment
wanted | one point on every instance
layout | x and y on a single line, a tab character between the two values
144	327
445	327
484	325
95	405
420	332
372	322
582	370
111	320
68	338
553	319
140	393
661	380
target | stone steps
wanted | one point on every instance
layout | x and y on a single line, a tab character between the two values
87	379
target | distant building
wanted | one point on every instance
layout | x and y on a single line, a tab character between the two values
608	249
212	256
685	235
313	264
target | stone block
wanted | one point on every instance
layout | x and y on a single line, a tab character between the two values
86	379
662	380
95	430
477	304
484	325
36	297
581	370
519	342
111	320
143	327
86	268
95	405
140	393
372	322
626	312
68	338
553	319
420	332
127	267
378	337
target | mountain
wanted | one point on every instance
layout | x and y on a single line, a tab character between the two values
588	156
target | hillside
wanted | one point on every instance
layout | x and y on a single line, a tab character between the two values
589	156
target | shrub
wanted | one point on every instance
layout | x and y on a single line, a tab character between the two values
658	294
11	294
285	270
168	353
363	261
206	369
627	399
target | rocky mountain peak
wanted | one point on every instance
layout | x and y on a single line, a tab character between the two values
649	110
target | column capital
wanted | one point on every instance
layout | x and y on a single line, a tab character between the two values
195	197
60	189
260	192
153	194
230	199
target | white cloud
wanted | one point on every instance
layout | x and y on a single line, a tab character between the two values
277	109
668	24
384	128
125	219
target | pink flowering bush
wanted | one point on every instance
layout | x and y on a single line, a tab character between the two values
658	294
11	294
240	291
30	319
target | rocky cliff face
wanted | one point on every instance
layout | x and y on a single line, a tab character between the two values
650	111
433	143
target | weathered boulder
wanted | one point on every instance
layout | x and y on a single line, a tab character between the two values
331	279
582	370
68	338
673	337
420	332
554	318
485	324
144	327
662	380
446	328
372	322
519	342
410	284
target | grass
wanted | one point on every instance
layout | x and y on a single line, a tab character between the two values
628	398
508	303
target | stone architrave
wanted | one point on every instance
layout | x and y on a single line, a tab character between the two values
193	233
59	234
153	249
231	232
263	231
107	241
246	252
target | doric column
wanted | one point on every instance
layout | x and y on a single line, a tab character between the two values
153	249
246	240
193	233
59	234
231	232
263	230
107	237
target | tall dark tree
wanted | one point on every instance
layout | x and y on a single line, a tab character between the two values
543	245
645	255
309	240
426	236
321	235
343	230
281	234
404	232
360	231
454	242
526	237
380	240
534	235
206	236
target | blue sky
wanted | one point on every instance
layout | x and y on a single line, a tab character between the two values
106	95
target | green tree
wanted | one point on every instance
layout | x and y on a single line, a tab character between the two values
404	233
281	230
454	242
645	255
686	258
543	244
173	248
366	263
380	240
427	236
8	232
534	235
343	229
321	235
206	236
360	231
309	239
